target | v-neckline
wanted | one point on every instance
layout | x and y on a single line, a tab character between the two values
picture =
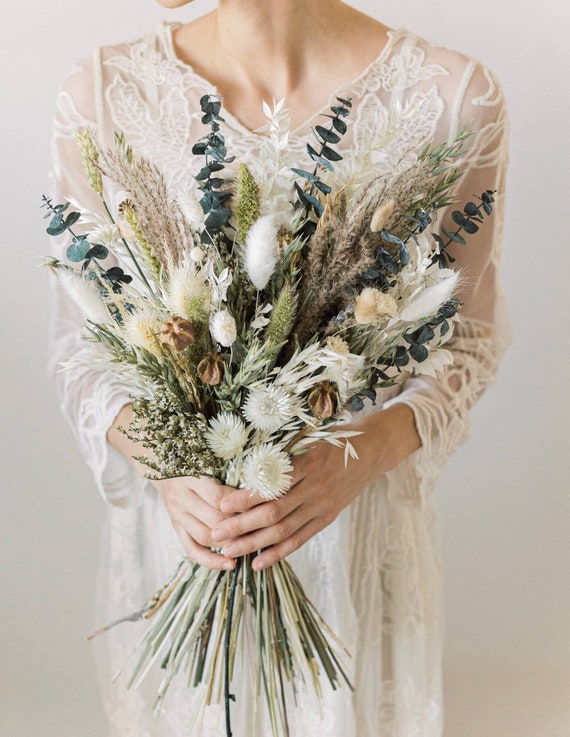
235	123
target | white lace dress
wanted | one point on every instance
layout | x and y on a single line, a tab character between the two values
375	572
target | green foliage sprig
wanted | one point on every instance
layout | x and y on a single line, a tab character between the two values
81	251
468	221
213	147
323	158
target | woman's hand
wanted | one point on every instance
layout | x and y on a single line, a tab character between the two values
322	488
193	504
194	508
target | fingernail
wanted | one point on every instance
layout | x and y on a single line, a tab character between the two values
228	565
258	565
230	552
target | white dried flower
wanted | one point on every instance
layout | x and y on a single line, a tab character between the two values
429	300
187	291
191	209
372	305
227	435
268	408
143	329
197	254
86	295
342	367
260	320
337	345
266	471
223	328
107	235
261	250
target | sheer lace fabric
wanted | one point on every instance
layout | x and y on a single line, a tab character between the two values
375	572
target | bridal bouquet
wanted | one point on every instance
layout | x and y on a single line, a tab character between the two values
245	319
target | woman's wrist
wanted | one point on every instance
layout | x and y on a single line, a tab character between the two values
388	437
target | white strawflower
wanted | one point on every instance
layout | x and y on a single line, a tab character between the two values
372	305
143	329
268	408
266	471
187	291
261	250
223	328
227	435
107	235
86	295
429	300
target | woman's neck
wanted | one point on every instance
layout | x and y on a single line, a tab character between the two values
300	50
270	44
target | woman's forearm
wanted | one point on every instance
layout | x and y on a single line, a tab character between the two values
121	443
389	436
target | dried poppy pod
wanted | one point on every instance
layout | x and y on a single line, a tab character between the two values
178	333
324	400
211	368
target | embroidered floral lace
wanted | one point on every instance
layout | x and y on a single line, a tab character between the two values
375	572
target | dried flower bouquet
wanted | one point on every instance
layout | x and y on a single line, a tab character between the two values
244	335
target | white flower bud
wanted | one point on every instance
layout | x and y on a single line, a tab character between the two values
223	328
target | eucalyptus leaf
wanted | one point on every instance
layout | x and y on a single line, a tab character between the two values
388	237
72	218
419	352
78	251
97	251
305	174
322	187
327	135
424	334
218	217
329	153
356	403
339	125
318	158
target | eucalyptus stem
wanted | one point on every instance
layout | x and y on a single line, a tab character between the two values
227	695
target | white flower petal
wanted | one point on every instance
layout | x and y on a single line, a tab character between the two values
268	408
266	471
227	435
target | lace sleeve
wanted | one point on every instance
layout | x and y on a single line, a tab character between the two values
441	406
89	398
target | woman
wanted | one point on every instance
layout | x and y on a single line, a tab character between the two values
364	540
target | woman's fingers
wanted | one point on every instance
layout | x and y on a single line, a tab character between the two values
204	556
210	490
293	542
263	537
240	500
263	514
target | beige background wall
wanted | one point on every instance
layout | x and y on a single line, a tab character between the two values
505	496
